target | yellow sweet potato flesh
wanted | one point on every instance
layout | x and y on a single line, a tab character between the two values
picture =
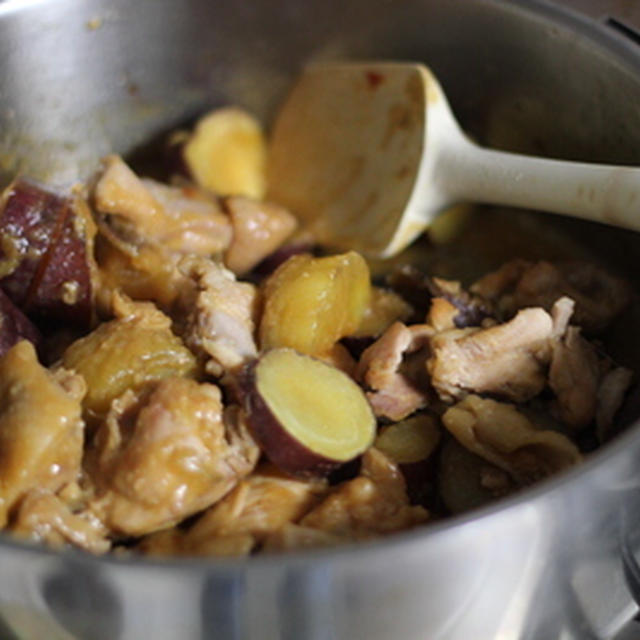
227	153
410	440
296	389
310	303
127	353
385	308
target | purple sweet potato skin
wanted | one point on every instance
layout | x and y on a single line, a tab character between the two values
63	290
44	255
279	446
14	325
28	224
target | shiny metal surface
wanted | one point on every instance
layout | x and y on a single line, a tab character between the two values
78	79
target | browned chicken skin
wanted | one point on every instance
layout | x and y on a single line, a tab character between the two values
183	220
500	434
372	504
166	455
41	429
393	394
259	506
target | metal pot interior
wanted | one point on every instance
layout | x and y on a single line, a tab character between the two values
79	80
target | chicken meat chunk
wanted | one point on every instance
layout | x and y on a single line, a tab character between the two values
179	219
292	537
372	504
574	377
599	296
259	228
43	516
509	359
503	436
161	457
220	316
259	506
41	428
385	369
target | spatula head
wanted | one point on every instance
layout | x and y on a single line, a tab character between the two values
346	152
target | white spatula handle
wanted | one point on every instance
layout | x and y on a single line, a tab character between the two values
602	193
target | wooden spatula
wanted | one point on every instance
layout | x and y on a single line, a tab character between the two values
369	153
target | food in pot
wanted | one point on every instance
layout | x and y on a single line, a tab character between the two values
184	372
308	416
311	303
226	153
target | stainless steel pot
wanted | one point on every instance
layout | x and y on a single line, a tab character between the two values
78	79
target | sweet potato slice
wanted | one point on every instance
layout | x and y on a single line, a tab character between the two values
227	153
30	217
135	350
411	440
15	325
385	307
310	303
46	253
411	444
308	416
63	287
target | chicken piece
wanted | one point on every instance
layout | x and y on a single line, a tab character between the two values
259	228
613	387
220	316
180	219
584	386
167	542
504	437
372	504
120	191
574	376
599	296
471	310
442	315
45	517
260	505
173	542
292	537
394	394
508	359
150	273
419	289
194	221
41	429
159	458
